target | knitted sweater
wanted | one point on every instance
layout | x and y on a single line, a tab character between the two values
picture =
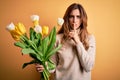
73	61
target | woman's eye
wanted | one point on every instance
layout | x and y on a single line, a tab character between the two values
71	16
78	17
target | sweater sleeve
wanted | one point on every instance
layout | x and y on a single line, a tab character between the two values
87	58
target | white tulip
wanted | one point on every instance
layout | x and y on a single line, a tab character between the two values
10	27
38	29
60	21
35	17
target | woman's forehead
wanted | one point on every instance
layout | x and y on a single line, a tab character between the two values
75	12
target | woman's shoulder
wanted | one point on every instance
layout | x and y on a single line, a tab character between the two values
59	36
91	37
91	40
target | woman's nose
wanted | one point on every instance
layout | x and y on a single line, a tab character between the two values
74	19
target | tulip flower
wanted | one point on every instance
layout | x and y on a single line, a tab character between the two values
16	31
35	19
38	29
45	30
20	28
10	27
60	21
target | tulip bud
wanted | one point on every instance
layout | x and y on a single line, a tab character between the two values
35	19
60	21
10	27
20	28
45	30
16	30
38	29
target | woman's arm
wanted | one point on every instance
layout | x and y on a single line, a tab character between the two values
87	58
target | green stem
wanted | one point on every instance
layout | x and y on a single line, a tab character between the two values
46	73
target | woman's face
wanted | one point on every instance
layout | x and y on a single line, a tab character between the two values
74	19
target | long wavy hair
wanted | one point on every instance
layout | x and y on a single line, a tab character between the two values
65	29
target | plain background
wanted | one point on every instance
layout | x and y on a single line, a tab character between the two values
103	22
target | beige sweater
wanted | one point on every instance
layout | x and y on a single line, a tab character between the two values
74	62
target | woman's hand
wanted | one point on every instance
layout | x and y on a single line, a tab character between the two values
39	67
74	35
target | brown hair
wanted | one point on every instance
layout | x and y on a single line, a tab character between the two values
65	29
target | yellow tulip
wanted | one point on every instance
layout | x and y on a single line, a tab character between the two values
15	35
16	31
45	30
20	29
36	22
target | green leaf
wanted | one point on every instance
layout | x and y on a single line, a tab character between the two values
40	48
28	50
20	44
51	33
28	63
36	57
36	41
38	35
32	32
32	44
40	57
45	44
35	37
53	52
52	39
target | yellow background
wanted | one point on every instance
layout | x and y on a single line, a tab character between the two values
103	22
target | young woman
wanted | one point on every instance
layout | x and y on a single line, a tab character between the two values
75	60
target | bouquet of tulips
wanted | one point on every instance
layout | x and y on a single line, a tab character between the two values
39	45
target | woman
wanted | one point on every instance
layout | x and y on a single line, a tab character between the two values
75	60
